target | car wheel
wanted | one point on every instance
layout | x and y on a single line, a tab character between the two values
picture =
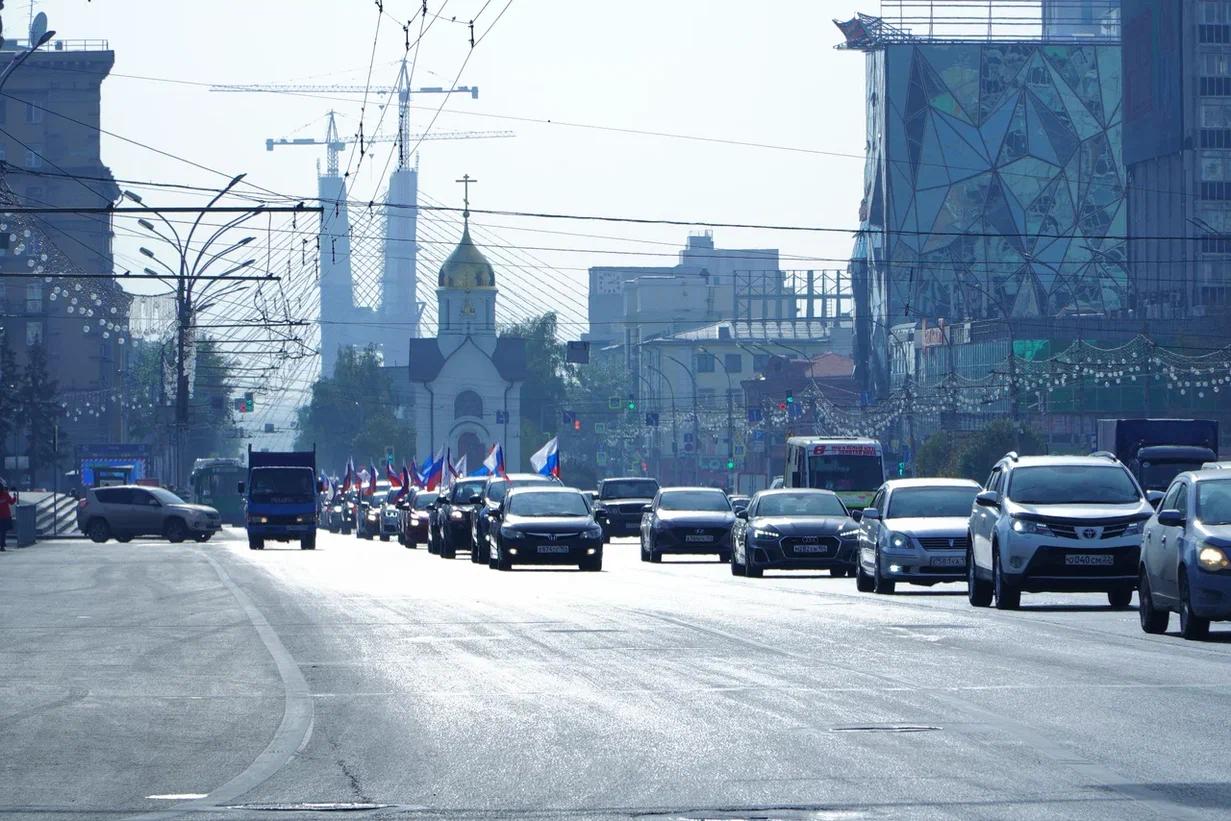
839	572
645	554
99	531
308	542
738	568
978	592
256	543
863	582
123	539
384	537
447	552
880	584
656	556
503	563
1152	620
1192	627
175	531
1120	598
592	564
202	537
724	557
1007	596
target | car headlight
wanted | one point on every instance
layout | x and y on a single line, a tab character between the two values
337	508
849	534
594	533
511	535
898	541
1134	529
258	520
1213	558
371	514
456	515
414	518
765	533
1029	528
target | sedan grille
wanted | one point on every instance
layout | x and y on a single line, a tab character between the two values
817	546
945	543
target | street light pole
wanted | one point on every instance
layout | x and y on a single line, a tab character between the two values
675	432
696	420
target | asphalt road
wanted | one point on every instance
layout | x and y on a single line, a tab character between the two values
153	680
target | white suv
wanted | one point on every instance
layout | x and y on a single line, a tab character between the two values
1056	523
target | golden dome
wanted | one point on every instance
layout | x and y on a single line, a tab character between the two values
467	268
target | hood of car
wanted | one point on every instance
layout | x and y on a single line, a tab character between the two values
627	500
199	509
548	524
1217	535
1081	512
699	518
929	525
804	525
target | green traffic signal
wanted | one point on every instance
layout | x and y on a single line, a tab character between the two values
730	464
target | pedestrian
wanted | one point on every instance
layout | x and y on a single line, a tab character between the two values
7	500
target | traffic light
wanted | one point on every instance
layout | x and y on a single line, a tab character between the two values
576	424
901	468
730	463
782	406
790	397
632	403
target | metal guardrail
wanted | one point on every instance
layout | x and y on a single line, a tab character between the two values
61	45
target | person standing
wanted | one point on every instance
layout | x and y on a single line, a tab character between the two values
7	500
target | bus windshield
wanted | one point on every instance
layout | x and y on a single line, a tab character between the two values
845	472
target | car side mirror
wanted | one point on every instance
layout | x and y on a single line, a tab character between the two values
647	508
857	515
741	514
240	487
600	513
1171	518
1154	497
474	498
988	498
870	514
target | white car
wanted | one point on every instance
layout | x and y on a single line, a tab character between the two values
1056	523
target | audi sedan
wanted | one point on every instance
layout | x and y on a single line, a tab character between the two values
544	524
915	531
687	520
794	529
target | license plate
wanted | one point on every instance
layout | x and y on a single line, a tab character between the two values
553	548
698	537
1089	559
811	548
948	561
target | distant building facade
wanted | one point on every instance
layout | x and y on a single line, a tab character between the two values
1177	146
994	186
50	117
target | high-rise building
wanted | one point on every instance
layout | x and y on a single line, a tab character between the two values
1177	146
49	141
1079	19
994	184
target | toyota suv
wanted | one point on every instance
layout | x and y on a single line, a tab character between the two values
1056	523
621	503
126	511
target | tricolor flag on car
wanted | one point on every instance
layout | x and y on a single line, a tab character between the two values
547	459
395	481
493	465
459	469
349	478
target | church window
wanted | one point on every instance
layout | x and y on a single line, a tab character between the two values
468	403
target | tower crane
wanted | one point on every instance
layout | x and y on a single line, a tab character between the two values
334	144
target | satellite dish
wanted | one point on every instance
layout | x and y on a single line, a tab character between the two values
38	30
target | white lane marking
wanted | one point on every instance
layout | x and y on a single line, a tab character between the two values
298	715
177	796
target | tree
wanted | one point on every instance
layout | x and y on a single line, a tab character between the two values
354	413
37	401
543	392
971	456
210	414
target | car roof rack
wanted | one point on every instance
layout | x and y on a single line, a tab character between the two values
1011	456
1105	454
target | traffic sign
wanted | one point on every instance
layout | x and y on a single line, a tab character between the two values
651	419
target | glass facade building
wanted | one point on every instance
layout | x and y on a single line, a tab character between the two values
994	187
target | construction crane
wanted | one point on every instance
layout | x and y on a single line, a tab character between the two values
335	145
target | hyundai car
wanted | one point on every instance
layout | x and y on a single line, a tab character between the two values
687	520
794	529
915	531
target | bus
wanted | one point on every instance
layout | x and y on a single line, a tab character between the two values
215	482
851	467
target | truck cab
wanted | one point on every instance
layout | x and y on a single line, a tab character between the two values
1157	450
281	498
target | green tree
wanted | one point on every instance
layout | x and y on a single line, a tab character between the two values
41	410
543	392
210	415
354	413
971	455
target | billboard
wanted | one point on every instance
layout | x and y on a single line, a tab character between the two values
1153	79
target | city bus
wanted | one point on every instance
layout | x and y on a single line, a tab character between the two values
214	482
851	467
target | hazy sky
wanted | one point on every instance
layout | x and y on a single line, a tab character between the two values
756	72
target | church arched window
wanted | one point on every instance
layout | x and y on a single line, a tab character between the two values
468	403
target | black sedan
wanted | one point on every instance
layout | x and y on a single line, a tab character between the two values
415	518
687	520
795	529
544	524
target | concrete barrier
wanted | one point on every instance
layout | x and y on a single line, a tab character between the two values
25	524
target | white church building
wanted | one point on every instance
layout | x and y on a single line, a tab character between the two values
466	382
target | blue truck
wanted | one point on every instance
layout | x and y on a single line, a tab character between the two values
281	498
1158	450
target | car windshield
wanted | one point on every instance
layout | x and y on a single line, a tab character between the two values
1073	485
268	483
464	490
1214	501
496	491
377	498
845	472
422	500
628	489
800	504
1158	475
165	496
707	500
926	502
552	503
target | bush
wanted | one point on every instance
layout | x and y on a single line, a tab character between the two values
971	455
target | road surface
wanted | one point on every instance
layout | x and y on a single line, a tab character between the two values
156	681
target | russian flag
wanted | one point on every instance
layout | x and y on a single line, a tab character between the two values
395	481
493	465
371	477
434	473
547	459
459	469
406	482
349	478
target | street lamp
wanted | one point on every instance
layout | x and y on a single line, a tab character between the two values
40	35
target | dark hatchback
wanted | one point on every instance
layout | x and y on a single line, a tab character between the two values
455	511
687	520
542	524
621	503
795	529
493	496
